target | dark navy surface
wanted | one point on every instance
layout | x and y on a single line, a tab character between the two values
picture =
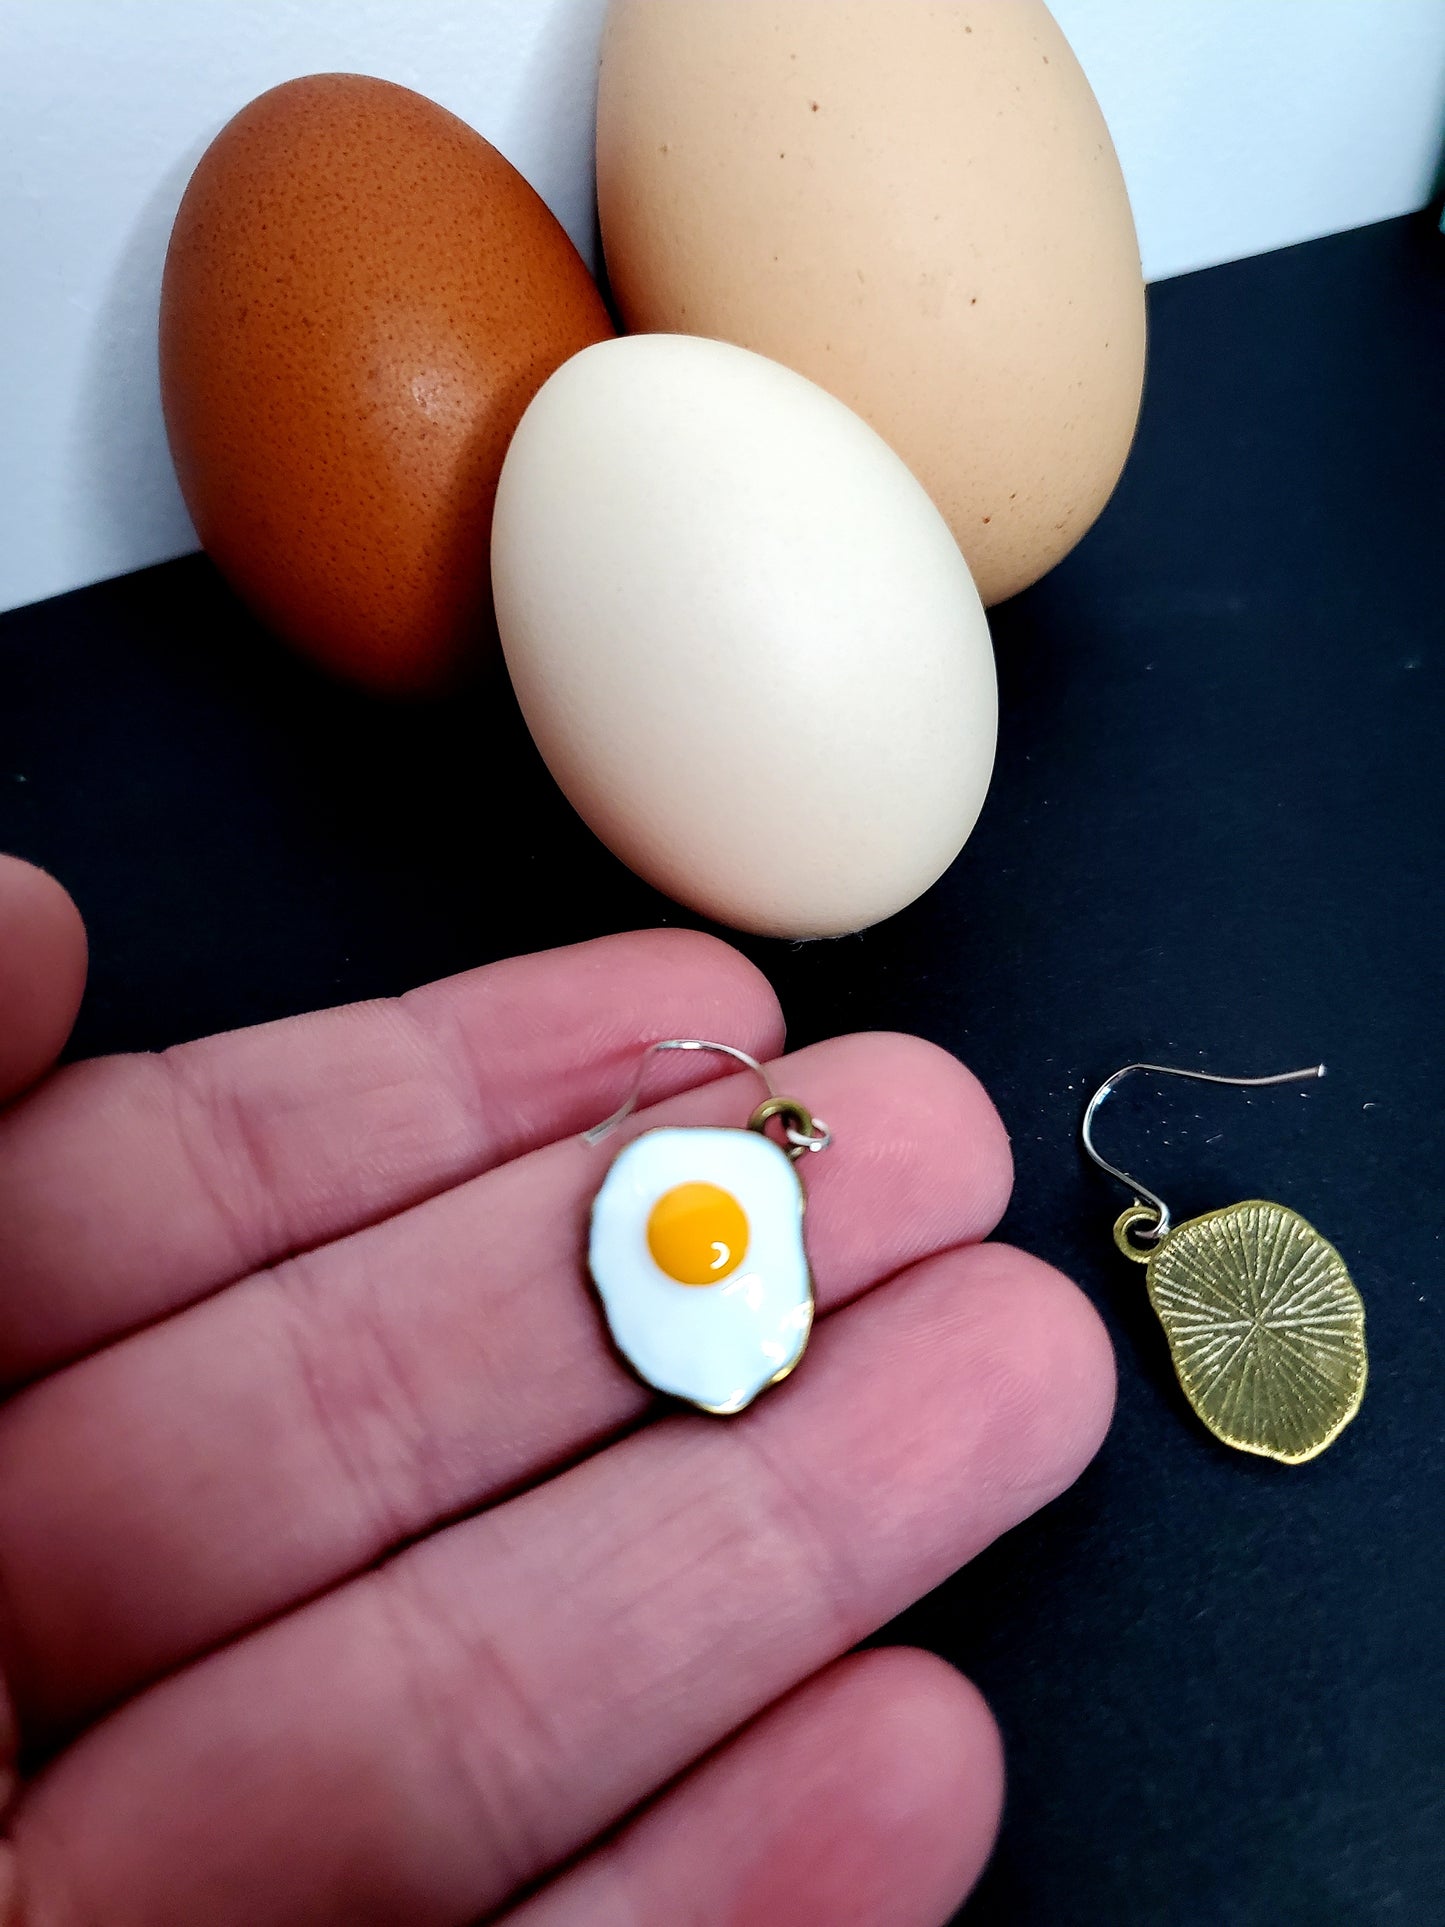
1217	837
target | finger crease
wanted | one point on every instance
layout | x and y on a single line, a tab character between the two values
242	1210
481	1721
455	1067
833	1576
343	1394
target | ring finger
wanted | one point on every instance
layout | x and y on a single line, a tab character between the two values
869	1795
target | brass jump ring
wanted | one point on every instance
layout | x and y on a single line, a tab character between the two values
1140	1215
803	1131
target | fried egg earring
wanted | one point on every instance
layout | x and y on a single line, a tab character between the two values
696	1247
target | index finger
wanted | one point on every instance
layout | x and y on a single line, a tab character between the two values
132	1186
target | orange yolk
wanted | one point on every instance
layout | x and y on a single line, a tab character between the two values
697	1233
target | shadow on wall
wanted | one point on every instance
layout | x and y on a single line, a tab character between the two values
125	480
555	149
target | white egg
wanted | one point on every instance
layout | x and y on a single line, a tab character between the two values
742	635
696	1250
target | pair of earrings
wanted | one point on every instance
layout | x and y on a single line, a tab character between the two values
696	1251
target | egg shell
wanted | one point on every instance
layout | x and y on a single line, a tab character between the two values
742	636
916	205
719	1345
360	297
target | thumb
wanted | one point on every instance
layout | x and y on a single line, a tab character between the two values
42	972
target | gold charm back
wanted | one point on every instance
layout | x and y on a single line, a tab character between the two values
1265	1326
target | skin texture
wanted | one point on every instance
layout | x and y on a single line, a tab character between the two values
361	296
345	1576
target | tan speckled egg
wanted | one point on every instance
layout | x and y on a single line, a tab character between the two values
360	298
918	206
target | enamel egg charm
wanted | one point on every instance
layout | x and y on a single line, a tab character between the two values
696	1249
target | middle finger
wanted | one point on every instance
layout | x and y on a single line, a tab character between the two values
213	1470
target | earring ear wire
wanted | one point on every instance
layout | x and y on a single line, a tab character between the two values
1142	1193
803	1131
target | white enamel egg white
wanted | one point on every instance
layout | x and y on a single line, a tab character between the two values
696	1251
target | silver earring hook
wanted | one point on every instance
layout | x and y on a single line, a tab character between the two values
803	1131
1141	1191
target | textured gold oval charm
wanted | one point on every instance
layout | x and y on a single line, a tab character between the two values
1266	1328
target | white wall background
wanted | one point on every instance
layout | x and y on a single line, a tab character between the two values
1242	125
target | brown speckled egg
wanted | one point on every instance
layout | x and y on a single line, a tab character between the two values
914	204
360	298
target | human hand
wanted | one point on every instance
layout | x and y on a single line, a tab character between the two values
345	1577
